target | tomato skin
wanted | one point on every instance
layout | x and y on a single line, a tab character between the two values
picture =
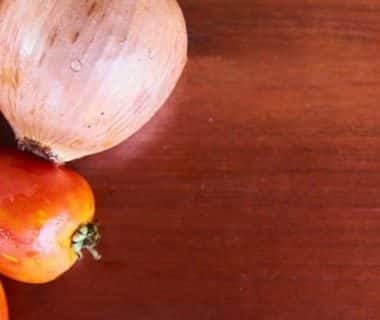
41	207
4	315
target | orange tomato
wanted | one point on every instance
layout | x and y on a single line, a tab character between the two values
3	304
46	215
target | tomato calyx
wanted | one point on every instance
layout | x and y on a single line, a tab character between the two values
86	237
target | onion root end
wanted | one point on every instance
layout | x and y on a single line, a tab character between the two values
35	147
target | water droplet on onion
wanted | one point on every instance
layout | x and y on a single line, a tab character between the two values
76	65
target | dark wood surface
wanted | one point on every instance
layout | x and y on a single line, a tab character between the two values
255	192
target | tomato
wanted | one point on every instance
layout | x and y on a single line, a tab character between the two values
46	215
3	304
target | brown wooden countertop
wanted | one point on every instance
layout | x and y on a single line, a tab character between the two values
255	192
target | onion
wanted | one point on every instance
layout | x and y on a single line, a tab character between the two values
78	77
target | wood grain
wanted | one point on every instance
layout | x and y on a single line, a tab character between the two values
254	194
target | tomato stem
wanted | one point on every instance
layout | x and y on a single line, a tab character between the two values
86	237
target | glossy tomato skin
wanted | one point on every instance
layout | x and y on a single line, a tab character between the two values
3	304
41	207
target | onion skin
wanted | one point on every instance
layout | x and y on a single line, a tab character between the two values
41	207
4	315
78	77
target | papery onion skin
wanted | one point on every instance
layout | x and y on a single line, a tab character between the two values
42	209
78	77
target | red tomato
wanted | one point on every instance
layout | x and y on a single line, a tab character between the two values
46	215
3	304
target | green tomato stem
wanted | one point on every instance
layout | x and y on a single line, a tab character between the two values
86	238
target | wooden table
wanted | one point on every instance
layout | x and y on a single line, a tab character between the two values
255	192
